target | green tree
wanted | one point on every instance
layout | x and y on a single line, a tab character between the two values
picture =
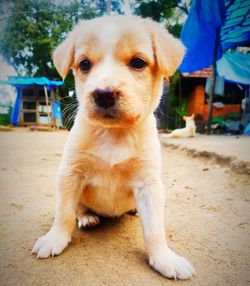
167	11
102	6
32	29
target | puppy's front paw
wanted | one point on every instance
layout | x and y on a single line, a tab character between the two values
51	244
171	265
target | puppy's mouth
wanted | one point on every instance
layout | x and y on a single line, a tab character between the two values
107	113
109	116
112	117
107	109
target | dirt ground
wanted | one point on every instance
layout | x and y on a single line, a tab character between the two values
207	214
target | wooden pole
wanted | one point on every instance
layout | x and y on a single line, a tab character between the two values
213	82
47	104
166	94
180	99
109	7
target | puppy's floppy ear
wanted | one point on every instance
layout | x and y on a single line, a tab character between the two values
63	56
168	50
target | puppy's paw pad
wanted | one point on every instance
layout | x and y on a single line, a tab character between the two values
172	266
88	221
51	244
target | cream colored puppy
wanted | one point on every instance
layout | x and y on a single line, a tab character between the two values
188	131
111	161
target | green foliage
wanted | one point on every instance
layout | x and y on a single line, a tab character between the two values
102	7
173	106
176	110
175	29
152	9
161	10
5	113
32	29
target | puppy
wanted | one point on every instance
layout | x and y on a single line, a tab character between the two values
188	131
111	161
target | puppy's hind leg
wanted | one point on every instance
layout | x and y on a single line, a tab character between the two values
86	218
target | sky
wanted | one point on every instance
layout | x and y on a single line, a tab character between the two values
7	93
5	69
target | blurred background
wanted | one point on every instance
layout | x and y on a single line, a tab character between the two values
212	82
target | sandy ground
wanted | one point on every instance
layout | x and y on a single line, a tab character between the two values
236	147
207	212
229	150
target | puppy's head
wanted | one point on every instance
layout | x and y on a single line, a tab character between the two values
119	64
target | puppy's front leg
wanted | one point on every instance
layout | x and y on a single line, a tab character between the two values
149	196
68	190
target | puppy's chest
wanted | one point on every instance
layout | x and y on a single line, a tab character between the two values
108	163
112	153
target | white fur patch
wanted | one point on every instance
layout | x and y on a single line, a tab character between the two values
51	244
171	265
111	152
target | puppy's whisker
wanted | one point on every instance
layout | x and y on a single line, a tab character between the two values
66	97
69	102
71	116
70	107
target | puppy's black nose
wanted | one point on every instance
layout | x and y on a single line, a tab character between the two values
105	97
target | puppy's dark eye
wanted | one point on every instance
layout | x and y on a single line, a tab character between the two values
137	63
85	65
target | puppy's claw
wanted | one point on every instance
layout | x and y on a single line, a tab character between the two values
88	221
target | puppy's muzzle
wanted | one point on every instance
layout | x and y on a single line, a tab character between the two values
105	98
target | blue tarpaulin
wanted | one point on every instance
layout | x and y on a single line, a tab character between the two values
235	67
199	33
16	109
22	81
57	112
199	30
236	31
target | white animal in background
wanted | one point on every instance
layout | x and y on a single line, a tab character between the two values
188	131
